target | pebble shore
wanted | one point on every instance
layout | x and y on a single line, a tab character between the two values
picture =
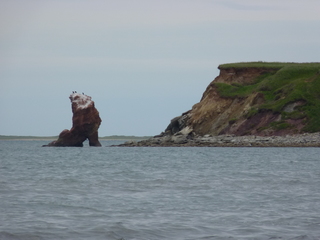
301	140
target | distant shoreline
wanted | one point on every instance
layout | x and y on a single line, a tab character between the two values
44	138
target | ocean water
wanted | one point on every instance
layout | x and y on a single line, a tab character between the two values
158	193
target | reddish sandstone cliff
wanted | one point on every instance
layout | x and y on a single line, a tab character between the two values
263	99
216	114
85	124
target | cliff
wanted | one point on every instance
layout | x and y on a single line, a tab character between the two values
257	98
265	99
85	124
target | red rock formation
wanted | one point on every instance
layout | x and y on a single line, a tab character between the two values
85	124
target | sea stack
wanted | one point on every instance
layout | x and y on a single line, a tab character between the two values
85	124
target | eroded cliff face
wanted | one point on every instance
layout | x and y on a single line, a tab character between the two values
216	114
244	76
85	124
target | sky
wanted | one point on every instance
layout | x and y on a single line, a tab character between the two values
143	62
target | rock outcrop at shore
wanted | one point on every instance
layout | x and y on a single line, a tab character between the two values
299	140
256	104
85	124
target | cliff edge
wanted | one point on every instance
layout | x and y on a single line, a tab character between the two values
253	99
85	124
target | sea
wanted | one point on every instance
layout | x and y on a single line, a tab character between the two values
146	193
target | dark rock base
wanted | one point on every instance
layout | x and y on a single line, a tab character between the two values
302	140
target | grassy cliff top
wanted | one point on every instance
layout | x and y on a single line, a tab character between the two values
273	65
288	83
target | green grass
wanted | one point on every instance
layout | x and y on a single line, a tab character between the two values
234	91
272	65
291	82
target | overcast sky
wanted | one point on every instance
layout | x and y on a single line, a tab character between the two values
143	62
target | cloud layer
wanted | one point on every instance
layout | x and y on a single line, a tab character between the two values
143	62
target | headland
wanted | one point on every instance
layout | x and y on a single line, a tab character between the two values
251	104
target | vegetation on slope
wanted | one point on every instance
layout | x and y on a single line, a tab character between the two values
288	83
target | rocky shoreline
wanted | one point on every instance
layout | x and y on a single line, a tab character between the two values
300	140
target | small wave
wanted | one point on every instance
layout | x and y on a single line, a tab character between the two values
20	236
